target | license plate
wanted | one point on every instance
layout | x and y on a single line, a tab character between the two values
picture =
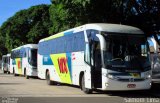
131	85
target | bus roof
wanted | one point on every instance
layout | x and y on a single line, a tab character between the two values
7	55
25	46
4	55
111	28
115	28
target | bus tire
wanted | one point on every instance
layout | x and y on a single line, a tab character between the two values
25	74
85	90
4	72
15	74
49	82
13	71
27	77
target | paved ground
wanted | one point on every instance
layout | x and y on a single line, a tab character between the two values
20	90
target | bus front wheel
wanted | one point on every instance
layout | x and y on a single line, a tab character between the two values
49	82
14	73
8	72
85	90
25	74
27	77
4	72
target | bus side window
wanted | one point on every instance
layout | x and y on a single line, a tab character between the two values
25	53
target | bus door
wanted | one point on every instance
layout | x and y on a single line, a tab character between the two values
96	70
87	74
93	75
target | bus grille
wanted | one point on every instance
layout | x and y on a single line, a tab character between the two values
131	79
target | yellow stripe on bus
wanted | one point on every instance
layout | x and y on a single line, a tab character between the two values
54	36
19	68
63	75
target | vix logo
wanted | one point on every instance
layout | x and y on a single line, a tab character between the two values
62	62
19	64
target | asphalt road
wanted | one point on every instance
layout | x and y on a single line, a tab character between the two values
21	90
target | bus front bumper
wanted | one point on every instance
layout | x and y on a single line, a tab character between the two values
114	85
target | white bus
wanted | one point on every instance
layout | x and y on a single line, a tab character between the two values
96	56
24	60
6	63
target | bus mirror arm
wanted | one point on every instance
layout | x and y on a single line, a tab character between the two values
29	59
102	41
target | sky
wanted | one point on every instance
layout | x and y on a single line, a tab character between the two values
9	7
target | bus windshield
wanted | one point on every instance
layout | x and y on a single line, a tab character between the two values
126	53
33	57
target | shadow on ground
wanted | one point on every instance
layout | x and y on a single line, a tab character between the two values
10	83
154	92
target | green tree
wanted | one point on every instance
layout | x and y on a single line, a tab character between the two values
26	26
39	23
70	13
143	14
66	14
3	49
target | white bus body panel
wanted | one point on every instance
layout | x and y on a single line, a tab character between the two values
41	69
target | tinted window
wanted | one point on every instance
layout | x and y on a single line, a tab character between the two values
68	43
18	53
33	57
92	34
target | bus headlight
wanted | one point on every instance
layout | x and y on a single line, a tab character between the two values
110	76
147	75
104	74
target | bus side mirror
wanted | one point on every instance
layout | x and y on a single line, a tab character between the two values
29	58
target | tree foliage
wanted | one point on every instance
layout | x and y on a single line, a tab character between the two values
144	14
66	14
70	13
26	26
